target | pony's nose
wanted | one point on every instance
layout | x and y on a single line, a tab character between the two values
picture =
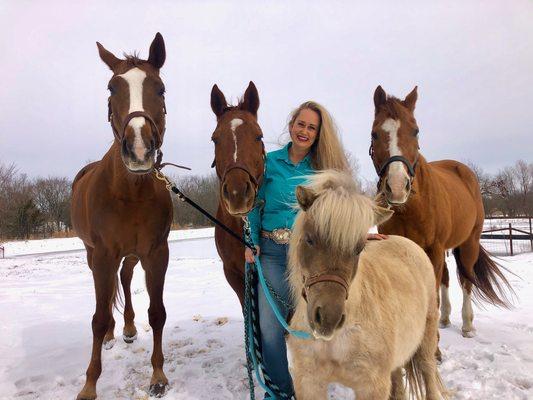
328	319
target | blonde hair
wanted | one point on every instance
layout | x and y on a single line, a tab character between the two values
327	151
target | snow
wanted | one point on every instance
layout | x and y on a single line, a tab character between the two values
47	301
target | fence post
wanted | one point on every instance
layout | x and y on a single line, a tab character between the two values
511	237
530	235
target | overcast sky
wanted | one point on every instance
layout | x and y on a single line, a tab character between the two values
472	62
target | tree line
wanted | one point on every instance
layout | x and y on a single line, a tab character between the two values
40	207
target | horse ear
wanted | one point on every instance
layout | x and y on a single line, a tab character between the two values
380	97
305	196
157	51
251	99
108	57
410	99
218	101
381	214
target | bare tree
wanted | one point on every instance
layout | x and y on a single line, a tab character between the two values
52	197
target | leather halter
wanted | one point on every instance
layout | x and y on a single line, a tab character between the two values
323	278
383	168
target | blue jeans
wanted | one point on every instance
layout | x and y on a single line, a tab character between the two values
273	258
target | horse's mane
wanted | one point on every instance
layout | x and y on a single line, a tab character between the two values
342	216
133	60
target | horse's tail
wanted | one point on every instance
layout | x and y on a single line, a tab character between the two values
415	380
489	283
117	300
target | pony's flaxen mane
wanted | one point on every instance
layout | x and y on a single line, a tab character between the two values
341	216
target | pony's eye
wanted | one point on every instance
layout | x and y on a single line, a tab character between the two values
374	135
309	241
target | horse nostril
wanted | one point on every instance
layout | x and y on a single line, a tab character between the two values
125	149
341	322
408	185
387	187
247	189
318	317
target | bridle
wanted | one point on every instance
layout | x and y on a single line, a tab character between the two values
383	168
312	280
129	117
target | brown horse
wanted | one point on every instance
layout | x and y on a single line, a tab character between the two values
120	210
436	204
239	163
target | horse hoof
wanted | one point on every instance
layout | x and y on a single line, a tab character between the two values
129	339
469	334
157	390
108	345
444	324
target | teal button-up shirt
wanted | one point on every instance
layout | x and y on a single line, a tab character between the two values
277	192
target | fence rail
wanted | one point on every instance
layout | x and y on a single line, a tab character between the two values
510	233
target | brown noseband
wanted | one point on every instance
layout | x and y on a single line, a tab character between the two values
323	278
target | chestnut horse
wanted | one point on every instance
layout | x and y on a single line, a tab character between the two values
239	162
436	204
120	210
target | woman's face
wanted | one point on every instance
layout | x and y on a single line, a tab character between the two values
304	129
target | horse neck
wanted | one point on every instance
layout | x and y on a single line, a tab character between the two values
124	183
235	223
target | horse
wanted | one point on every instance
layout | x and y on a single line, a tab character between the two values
239	163
437	204
371	306
120	210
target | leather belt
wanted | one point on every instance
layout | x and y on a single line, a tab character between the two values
279	236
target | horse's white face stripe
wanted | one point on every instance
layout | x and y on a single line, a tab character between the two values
135	78
391	126
234	124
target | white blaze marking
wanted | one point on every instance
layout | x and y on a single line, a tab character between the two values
397	174
234	124
135	78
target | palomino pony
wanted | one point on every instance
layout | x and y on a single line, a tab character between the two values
120	210
240	163
371	306
438	205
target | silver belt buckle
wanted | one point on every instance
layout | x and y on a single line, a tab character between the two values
281	236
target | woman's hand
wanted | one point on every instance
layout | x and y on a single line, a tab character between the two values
249	256
376	236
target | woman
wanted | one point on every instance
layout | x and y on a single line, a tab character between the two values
314	146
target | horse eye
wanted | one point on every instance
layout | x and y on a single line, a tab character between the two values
308	240
415	133
214	140
259	138
374	135
111	89
162	91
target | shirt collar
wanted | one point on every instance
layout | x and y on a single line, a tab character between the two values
284	155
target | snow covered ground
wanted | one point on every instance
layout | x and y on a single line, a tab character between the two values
47	301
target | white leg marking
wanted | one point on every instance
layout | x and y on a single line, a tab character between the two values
468	315
234	124
445	307
135	78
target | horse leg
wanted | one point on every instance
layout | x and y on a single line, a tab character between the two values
436	255
236	280
424	359
468	255
398	386
104	268
129	334
155	267
445	305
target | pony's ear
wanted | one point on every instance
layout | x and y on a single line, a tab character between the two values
218	101
157	51
108	57
380	97
305	196
250	102
410	99
381	214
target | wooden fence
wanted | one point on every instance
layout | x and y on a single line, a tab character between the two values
511	234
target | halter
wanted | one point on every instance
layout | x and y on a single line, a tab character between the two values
127	120
381	170
308	282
